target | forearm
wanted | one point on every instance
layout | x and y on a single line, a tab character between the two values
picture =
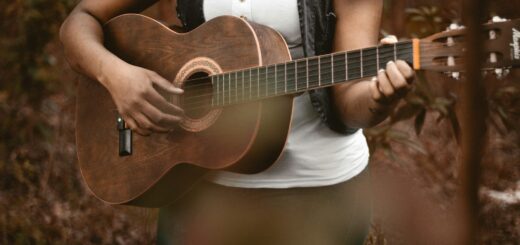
82	38
82	35
357	108
353	100
358	23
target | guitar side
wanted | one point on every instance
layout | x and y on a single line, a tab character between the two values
245	138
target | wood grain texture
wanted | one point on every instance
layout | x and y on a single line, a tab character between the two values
246	138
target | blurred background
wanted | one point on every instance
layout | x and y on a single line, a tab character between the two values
415	154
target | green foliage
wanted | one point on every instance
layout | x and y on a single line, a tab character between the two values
505	106
27	28
42	197
29	72
425	20
430	155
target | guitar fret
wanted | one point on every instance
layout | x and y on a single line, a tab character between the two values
275	79
302	78
338	60
240	82
266	81
223	88
377	58
307	71
346	66
313	72
213	95
361	62
319	71
395	51
326	70
250	84
280	77
332	67
353	60
229	89
291	77
285	77
370	69
218	92
296	75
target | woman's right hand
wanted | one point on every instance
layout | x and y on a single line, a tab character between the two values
144	109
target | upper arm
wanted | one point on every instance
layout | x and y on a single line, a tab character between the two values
357	26
358	23
104	10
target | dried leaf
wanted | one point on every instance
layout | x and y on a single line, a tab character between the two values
455	126
404	112
416	145
411	11
419	122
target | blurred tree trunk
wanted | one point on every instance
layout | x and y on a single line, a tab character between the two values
474	110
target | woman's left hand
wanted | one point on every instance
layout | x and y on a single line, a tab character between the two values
392	83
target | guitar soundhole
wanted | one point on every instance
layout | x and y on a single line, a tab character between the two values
197	95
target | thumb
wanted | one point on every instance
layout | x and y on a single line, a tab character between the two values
390	39
165	84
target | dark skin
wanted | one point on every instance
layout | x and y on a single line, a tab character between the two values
361	104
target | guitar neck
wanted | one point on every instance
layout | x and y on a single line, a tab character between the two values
305	74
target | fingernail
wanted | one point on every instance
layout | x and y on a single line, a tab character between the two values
381	70
374	79
390	62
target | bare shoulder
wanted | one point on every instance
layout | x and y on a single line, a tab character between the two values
103	10
353	8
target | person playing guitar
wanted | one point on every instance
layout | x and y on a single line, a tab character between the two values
317	191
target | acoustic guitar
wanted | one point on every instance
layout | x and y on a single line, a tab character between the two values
239	82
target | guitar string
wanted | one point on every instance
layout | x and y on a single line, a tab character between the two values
349	53
271	76
313	58
312	73
232	94
332	70
236	98
366	62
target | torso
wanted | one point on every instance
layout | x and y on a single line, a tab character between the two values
314	155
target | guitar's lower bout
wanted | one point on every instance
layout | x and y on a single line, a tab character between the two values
244	138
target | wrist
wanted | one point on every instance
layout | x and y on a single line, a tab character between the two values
381	107
108	69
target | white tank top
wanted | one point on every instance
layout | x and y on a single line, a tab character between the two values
314	155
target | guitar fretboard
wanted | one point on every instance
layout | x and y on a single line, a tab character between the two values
304	74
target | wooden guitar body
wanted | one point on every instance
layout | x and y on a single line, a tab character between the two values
245	138
239	82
